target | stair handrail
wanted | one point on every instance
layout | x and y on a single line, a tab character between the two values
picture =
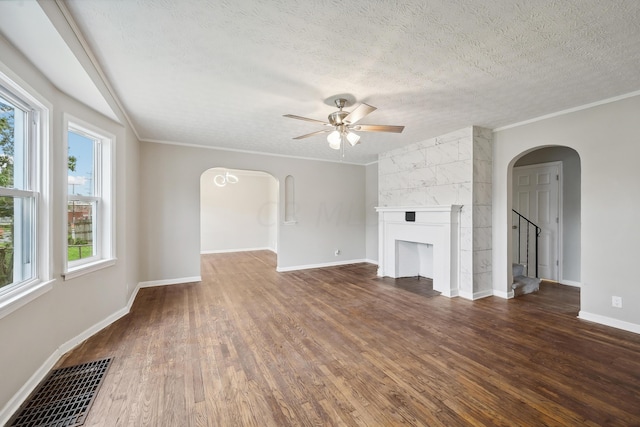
537	229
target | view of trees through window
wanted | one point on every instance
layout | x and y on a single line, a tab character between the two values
7	118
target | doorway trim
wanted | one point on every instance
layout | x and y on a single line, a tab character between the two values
559	236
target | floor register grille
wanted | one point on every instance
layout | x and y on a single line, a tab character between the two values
64	397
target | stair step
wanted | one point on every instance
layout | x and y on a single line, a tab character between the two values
518	269
525	285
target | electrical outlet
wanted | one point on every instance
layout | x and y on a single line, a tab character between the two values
338	252
616	301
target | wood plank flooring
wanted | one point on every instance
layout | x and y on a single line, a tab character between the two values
248	346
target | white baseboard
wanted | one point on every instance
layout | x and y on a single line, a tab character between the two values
609	321
323	265
371	261
452	293
132	298
476	295
166	282
570	283
16	401
502	294
72	343
466	294
225	251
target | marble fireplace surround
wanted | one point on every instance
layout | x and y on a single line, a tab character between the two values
434	225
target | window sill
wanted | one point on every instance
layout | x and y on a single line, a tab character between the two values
23	295
83	269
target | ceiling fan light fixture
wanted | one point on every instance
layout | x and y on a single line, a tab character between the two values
353	138
343	122
335	140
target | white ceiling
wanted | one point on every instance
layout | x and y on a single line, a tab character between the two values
222	73
47	50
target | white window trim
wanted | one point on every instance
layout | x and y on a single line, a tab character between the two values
20	295
106	232
90	267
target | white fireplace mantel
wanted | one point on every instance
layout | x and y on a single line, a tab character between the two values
433	225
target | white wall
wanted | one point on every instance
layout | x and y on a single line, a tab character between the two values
607	139
274	195
36	334
330	208
371	215
238	216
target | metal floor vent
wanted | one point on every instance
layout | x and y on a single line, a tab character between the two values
64	397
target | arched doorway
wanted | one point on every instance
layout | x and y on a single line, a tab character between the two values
238	211
546	189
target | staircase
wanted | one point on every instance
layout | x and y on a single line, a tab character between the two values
527	247
521	283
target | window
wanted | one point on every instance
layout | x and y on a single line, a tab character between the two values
24	223
89	228
17	198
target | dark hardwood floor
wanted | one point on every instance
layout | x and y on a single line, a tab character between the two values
341	347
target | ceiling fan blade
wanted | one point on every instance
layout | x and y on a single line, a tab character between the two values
311	134
359	113
291	116
378	128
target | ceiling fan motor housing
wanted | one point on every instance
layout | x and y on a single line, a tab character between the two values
343	127
336	118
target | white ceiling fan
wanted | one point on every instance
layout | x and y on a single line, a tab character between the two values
344	123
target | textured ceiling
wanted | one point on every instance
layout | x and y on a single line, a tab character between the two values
222	73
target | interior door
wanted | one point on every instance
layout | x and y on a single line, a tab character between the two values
536	191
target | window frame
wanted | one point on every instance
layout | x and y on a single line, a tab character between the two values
102	199
37	189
